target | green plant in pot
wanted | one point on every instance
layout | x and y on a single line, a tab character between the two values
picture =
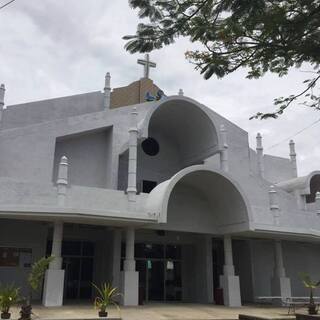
9	295
107	295
35	280
311	285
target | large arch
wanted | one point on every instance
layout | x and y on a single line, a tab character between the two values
185	134
306	185
201	199
314	184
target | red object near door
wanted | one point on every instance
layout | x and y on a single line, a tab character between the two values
218	296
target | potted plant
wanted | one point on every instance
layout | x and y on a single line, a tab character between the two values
9	295
35	280
311	285
106	296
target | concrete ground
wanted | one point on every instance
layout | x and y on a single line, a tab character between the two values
158	311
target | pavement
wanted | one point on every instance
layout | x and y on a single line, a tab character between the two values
157	311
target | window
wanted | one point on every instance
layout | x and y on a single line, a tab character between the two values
148	186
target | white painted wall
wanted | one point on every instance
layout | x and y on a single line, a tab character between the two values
89	158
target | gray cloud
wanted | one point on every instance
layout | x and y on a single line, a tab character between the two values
54	48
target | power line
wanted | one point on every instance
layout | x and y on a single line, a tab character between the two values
284	140
6	4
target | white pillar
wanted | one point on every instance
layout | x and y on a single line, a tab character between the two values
260	160
56	245
224	152
130	263
54	277
293	159
318	202
280	284
2	92
132	168
274	204
130	277
62	181
180	93
107	91
229	281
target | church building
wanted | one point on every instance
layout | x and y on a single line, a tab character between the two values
156	194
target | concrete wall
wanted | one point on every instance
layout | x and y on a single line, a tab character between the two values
26	114
27	235
298	257
89	158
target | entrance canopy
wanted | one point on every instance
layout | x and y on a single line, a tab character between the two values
200	199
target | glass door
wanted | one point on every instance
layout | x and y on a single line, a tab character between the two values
173	286
155	280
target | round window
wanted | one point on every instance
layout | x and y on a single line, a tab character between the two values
150	146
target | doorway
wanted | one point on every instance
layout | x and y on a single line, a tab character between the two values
78	263
159	272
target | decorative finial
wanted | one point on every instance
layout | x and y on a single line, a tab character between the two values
107	90
147	64
317	200
2	91
62	180
180	93
259	149
224	152
293	158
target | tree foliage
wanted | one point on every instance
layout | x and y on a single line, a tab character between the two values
37	272
259	35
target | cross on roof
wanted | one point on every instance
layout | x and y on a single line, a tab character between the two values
147	64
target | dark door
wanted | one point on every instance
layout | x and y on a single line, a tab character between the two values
173	281
155	280
72	272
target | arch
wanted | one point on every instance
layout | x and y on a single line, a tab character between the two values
186	124
303	184
314	185
223	195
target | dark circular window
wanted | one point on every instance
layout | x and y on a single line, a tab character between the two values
150	146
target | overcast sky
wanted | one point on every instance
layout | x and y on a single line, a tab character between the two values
52	48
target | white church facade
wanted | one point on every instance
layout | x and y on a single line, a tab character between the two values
158	195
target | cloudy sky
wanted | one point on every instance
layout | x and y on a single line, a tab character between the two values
53	48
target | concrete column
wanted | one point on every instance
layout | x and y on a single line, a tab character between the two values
132	170
280	284
229	281
107	91
54	277
62	181
116	258
293	159
318	202
224	152
2	92
130	277
260	160
274	204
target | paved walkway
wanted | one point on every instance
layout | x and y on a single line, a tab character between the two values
155	311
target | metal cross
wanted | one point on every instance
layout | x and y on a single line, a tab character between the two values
147	64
